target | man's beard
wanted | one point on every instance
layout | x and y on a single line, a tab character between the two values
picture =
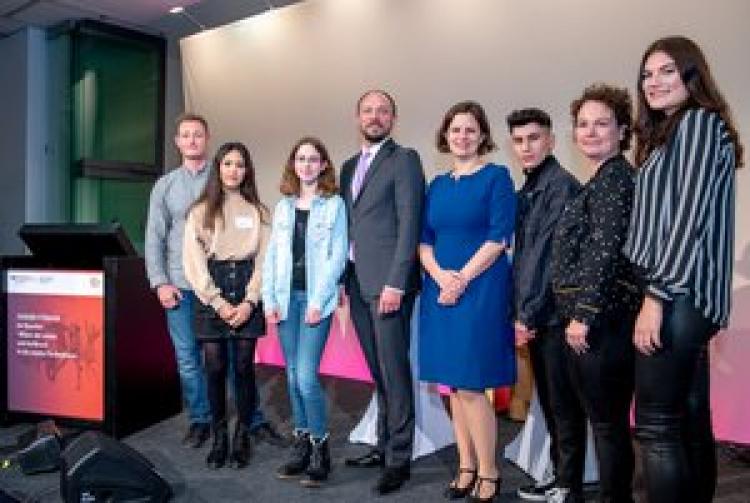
375	138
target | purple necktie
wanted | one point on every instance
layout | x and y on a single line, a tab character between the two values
363	165
359	177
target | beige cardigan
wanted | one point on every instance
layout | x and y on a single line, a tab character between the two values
240	236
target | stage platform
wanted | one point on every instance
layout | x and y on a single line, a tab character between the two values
192	482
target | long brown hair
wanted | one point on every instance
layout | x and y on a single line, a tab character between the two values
213	193
290	185
653	127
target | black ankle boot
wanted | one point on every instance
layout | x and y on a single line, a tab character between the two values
220	447
300	457
241	447
320	463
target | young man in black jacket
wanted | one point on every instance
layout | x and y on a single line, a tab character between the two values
548	187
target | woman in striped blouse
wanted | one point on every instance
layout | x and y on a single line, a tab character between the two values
681	239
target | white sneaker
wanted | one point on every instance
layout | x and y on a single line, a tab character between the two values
557	495
538	491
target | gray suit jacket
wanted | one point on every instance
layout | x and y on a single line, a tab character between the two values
385	219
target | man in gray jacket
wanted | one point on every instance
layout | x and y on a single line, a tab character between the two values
383	189
171	198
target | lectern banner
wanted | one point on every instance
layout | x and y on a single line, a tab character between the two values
56	342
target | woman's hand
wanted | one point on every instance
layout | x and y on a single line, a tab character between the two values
446	298
452	285
273	317
451	282
312	316
575	335
241	314
226	312
646	336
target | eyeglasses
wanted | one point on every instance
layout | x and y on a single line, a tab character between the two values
313	159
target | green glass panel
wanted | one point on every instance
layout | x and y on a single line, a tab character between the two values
126	202
115	93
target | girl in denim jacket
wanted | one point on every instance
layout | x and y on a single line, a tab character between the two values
306	256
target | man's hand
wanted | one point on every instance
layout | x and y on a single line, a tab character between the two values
169	296
575	334
390	300
523	334
647	336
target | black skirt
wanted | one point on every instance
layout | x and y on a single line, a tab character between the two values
231	277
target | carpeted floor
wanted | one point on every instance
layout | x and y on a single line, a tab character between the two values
185	469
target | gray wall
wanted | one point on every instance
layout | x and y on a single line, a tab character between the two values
34	98
13	102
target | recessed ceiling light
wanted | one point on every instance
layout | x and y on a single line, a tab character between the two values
176	10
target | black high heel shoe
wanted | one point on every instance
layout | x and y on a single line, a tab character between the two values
474	498
454	492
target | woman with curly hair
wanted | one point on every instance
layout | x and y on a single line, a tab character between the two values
597	295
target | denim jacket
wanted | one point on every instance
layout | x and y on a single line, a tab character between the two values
326	246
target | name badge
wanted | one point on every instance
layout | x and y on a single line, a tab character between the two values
243	222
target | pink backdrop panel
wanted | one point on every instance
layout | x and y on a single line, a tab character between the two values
730	385
730	369
342	356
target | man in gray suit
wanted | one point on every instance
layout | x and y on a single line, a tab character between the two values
383	188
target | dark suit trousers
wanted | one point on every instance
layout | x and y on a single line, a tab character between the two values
550	368
385	343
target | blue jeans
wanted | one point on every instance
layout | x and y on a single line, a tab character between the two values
188	356
303	348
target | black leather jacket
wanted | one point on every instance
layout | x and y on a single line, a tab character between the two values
591	277
541	200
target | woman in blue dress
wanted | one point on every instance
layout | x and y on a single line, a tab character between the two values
466	338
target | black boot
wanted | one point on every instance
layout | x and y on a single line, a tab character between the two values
320	463
241	447
218	455
300	457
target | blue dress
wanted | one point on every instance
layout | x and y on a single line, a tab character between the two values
469	345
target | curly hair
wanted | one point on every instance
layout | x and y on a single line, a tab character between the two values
616	99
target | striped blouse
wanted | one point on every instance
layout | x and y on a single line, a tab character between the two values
682	226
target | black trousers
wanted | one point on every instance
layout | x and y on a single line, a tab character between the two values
548	361
216	354
385	344
602	379
673	418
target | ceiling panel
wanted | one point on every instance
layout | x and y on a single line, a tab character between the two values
148	15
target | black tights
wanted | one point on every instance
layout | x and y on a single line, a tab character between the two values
216	361
673	418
